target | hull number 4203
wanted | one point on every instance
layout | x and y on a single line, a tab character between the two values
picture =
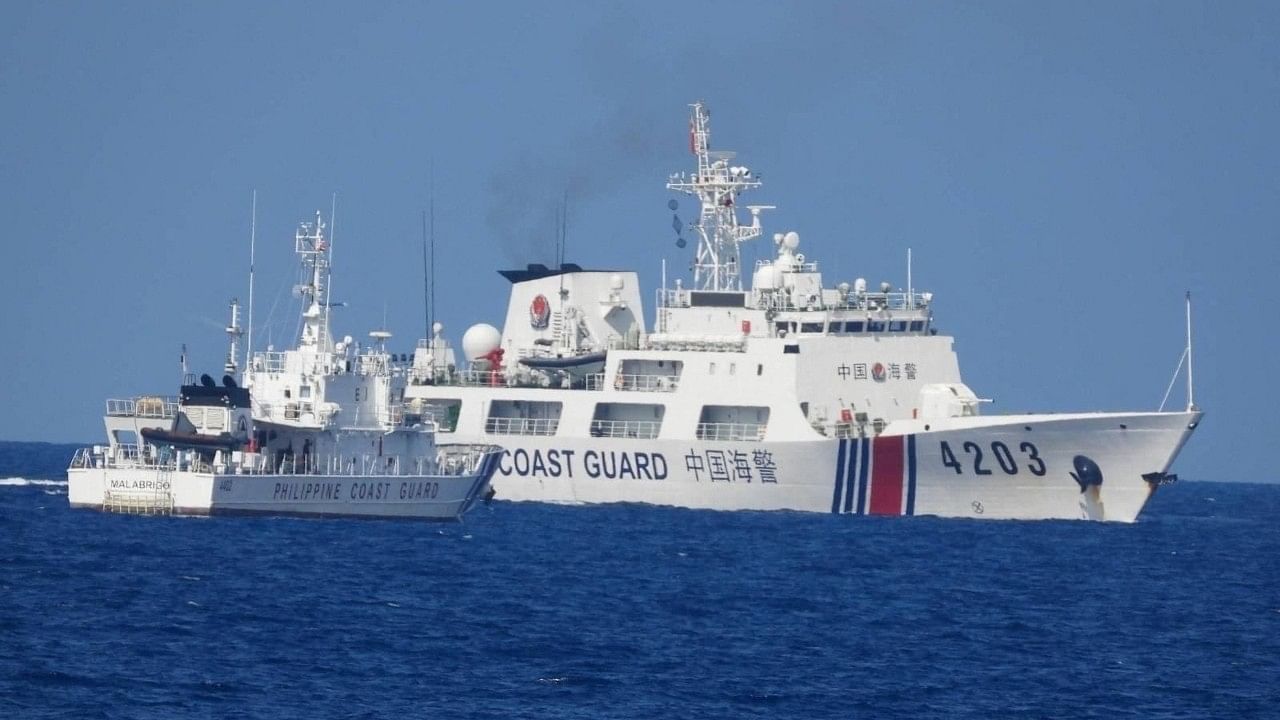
976	461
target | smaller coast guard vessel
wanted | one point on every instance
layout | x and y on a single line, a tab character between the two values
318	430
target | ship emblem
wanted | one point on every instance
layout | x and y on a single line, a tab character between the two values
1087	473
1089	477
877	372
539	312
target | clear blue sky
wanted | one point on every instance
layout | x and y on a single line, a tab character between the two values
1062	171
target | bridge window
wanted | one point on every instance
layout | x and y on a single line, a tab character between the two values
632	420
648	375
522	417
443	412
917	326
733	422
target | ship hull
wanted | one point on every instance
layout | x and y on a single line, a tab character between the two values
991	467
148	491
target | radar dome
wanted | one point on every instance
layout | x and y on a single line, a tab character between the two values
792	240
480	340
766	278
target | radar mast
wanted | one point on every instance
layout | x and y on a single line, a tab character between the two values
717	185
313	250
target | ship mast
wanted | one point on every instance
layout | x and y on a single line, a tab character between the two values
310	244
717	185
234	331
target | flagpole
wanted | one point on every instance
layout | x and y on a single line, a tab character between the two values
1191	397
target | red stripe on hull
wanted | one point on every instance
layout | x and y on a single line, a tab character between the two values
886	476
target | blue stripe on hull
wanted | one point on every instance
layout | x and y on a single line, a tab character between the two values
864	461
484	473
851	476
911	475
839	489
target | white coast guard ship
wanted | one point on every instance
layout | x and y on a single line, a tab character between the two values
319	430
790	394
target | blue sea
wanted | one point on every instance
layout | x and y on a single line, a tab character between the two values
536	611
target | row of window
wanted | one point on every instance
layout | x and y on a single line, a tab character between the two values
849	327
634	420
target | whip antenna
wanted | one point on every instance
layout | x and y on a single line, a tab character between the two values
253	237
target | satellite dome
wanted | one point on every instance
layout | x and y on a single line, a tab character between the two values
792	240
766	278
480	340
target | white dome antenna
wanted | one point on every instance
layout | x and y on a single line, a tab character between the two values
480	340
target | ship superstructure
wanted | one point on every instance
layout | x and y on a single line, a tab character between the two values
316	430
793	393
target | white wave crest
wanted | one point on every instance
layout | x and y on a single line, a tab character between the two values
24	482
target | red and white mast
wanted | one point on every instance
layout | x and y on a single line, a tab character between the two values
717	185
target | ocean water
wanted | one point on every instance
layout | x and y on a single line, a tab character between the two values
534	611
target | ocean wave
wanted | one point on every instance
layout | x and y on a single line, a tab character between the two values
657	612
25	482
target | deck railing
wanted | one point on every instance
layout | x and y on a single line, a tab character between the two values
637	383
269	362
849	301
645	429
448	460
731	431
146	406
521	426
